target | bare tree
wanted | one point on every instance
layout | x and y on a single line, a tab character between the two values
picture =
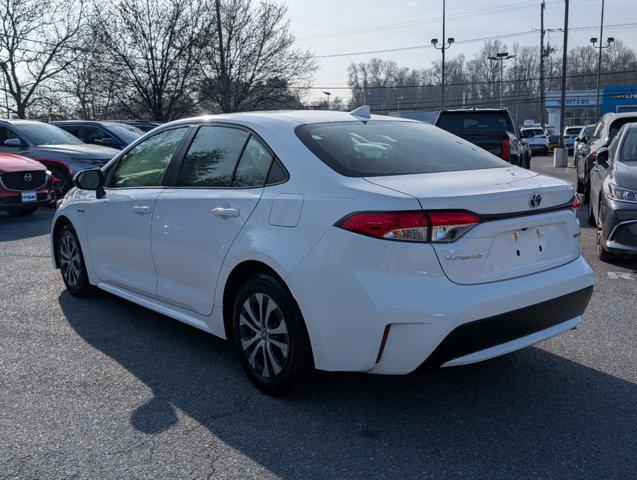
35	41
252	63
155	46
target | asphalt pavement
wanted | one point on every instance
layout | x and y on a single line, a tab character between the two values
100	388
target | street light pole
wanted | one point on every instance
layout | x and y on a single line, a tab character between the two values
328	99
501	57
542	6
446	43
560	158
599	61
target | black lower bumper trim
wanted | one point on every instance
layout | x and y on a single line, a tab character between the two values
489	332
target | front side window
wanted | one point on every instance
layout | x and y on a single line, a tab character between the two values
254	165
377	148
95	135
145	164
6	134
212	157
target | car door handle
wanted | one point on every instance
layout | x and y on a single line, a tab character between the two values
226	212
141	209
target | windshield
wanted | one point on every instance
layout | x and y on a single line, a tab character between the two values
476	121
572	131
379	148
42	133
128	133
629	149
587	131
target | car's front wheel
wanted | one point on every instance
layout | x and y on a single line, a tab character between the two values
72	266
270	336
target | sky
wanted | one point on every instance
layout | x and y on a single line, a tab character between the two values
325	28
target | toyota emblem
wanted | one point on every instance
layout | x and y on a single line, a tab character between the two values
535	200
28	177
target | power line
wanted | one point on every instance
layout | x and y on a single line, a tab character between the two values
472	40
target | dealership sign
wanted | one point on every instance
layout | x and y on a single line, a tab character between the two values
574	99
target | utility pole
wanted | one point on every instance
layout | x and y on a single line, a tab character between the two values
560	158
446	43
542	101
501	57
599	60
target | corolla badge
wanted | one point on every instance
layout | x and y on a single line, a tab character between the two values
463	256
535	200
28	177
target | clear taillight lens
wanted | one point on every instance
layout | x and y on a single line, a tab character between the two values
434	227
449	226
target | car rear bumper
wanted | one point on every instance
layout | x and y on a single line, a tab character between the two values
489	337
381	284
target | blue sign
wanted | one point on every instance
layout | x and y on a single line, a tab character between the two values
619	98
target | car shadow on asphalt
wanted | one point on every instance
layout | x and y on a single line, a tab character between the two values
19	228
528	414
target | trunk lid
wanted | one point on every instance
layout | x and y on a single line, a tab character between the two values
513	238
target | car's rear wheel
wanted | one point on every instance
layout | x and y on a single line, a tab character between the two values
270	336
72	264
22	211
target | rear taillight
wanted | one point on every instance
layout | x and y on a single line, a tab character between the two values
448	226
576	204
405	226
434	227
506	148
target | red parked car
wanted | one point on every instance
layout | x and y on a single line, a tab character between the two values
25	185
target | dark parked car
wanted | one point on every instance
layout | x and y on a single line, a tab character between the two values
613	201
25	185
62	153
492	129
143	125
605	131
108	134
582	139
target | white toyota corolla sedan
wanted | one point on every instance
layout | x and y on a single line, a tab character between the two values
329	240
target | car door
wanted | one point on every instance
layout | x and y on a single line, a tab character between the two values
119	224
217	186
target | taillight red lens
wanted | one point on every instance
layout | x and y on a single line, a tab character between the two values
436	226
506	148
576	204
406	226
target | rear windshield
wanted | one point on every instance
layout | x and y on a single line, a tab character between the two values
573	131
476	121
531	132
379	148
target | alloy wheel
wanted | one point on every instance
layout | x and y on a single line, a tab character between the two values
70	259
264	335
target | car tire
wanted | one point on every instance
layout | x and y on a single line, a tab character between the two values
603	254
270	336
22	211
580	186
72	265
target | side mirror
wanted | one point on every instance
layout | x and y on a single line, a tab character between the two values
14	142
92	179
602	157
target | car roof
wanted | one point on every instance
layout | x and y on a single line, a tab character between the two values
292	118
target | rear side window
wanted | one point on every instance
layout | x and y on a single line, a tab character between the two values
145	164
476	121
378	148
212	157
254	165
